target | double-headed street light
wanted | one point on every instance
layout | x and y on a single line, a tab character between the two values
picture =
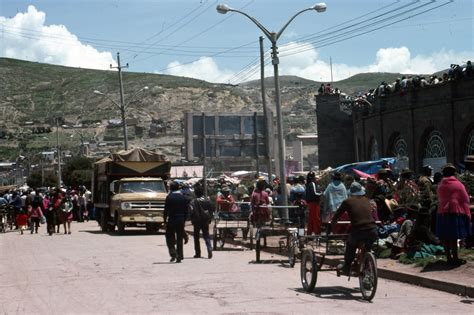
273	37
123	106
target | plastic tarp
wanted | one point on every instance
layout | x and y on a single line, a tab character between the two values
368	167
134	155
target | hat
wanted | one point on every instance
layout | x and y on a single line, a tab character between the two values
225	189
427	167
357	189
406	171
245	196
449	165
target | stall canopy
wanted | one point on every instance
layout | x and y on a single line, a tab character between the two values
368	167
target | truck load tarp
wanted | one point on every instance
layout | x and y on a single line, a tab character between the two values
133	155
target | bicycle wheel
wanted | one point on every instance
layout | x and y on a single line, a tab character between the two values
309	270
368	276
292	245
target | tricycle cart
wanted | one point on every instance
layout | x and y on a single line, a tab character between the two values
319	247
227	224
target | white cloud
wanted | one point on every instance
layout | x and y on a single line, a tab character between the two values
26	36
307	64
205	69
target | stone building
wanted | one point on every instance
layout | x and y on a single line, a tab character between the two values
430	125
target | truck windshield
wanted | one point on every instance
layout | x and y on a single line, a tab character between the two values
145	186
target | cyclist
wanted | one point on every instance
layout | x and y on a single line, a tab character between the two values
363	227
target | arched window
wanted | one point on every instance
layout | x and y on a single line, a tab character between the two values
400	147
374	150
470	143
435	151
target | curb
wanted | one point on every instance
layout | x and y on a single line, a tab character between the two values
449	287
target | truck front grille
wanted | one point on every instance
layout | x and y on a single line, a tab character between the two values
147	205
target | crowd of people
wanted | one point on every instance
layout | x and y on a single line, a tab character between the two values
406	83
27	210
417	215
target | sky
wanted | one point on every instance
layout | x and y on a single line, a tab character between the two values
190	38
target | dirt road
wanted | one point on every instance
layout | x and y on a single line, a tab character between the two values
93	273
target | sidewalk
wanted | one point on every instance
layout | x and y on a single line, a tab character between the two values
438	276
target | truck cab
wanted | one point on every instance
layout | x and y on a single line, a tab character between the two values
137	201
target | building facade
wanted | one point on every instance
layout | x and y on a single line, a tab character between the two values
432	125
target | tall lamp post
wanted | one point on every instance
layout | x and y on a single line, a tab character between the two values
273	37
123	106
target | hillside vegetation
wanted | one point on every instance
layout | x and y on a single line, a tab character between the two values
40	93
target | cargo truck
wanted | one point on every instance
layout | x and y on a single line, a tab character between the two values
129	190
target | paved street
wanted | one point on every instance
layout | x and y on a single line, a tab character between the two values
90	272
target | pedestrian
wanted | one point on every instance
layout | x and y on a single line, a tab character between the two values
201	213
334	195
35	214
259	204
66	215
454	217
174	218
313	198
22	221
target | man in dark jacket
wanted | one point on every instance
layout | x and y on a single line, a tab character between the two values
201	211
363	227
175	217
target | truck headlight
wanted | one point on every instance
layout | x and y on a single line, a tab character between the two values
126	206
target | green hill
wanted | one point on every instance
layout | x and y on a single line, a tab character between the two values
36	94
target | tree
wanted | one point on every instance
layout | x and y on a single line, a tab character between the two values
35	179
78	171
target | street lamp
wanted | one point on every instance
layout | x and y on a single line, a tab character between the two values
273	37
122	108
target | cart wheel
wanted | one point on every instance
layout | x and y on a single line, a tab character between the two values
214	239
309	270
222	236
292	250
368	276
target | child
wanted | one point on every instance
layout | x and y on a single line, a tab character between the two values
300	212
22	221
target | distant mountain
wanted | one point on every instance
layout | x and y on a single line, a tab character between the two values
36	93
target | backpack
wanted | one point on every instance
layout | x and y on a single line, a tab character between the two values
200	214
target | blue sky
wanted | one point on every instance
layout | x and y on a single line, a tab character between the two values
189	38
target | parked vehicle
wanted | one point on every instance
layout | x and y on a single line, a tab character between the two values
129	189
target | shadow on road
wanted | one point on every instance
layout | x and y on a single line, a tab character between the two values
269	261
335	293
125	233
467	301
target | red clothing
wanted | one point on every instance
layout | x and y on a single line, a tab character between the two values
260	214
453	197
35	212
226	204
22	219
314	218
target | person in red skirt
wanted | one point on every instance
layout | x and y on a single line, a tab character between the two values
313	198
22	221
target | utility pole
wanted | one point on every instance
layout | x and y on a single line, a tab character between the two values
267	120
330	64
122	105
59	152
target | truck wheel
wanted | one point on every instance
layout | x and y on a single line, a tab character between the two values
152	228
120	226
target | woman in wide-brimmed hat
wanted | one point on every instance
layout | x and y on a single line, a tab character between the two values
454	217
